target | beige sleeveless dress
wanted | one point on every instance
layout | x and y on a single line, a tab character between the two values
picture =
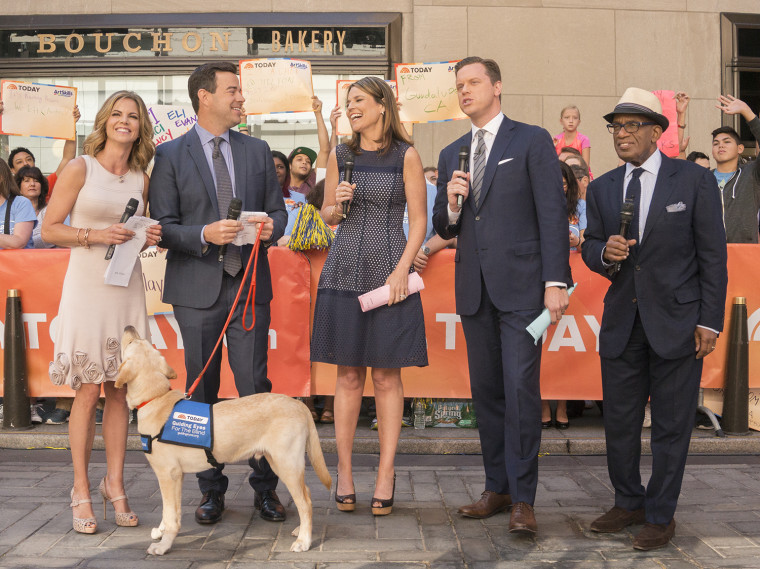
92	314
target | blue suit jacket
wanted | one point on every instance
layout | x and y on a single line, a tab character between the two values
183	199
518	236
676	277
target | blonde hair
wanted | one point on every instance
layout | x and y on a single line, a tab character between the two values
143	148
379	90
570	108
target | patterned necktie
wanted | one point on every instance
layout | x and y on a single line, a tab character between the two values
633	192
224	196
479	166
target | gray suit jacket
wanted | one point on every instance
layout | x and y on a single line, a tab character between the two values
183	200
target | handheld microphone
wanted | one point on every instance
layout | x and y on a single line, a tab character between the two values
349	172
129	211
626	217
464	166
233	212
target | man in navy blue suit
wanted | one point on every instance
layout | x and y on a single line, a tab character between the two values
511	262
662	313
194	179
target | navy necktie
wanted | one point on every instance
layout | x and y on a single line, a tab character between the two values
633	192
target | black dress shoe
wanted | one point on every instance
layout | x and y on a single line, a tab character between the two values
269	504
562	425
211	508
546	424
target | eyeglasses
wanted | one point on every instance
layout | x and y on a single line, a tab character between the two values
630	127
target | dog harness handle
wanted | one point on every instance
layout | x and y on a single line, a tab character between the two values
254	258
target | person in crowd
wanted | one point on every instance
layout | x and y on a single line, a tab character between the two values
576	216
34	185
282	171
506	273
194	180
739	184
662	313
17	217
699	158
369	251
20	157
682	104
94	189
570	118
431	175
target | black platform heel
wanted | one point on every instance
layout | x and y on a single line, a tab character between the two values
386	506
345	503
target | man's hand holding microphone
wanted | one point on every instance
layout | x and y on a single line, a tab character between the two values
458	187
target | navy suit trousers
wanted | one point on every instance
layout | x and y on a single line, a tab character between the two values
504	378
247	352
628	381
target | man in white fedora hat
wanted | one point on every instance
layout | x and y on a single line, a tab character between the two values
662	313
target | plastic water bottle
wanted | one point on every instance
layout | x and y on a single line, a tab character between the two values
419	414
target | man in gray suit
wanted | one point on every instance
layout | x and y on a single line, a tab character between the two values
194	179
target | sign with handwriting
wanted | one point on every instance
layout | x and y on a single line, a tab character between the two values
427	92
668	142
35	109
170	121
276	85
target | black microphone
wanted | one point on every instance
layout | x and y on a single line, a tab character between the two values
626	217
233	212
129	211
349	171
464	166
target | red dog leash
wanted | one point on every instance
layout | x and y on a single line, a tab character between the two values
254	258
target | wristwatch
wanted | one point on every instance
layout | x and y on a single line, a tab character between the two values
425	249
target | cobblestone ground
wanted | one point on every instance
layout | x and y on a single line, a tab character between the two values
718	520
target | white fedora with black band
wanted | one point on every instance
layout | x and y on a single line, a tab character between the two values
637	101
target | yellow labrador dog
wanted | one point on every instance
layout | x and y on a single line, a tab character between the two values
267	424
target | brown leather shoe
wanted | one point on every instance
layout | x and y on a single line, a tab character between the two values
490	503
617	519
653	536
523	520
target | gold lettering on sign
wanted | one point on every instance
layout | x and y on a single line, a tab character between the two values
166	42
80	43
223	43
302	40
288	41
328	41
197	44
341	37
314	40
47	43
98	47
126	44
275	41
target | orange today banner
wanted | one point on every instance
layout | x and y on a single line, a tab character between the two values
569	367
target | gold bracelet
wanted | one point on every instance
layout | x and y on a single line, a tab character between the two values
336	214
78	241
86	235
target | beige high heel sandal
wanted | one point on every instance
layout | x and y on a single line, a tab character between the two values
83	525
124	519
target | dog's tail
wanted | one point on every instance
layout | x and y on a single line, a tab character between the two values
314	450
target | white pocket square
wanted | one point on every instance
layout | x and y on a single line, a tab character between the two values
504	161
675	207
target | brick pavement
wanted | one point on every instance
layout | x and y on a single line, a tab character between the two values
718	520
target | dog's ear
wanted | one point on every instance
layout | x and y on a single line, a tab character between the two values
166	369
126	374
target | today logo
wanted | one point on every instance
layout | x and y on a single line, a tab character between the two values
191	418
30	88
416	69
12	87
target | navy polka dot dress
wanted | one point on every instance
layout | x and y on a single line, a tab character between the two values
366	249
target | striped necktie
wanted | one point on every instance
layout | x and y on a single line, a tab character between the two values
479	166
232	263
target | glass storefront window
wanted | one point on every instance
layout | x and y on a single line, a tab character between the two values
283	131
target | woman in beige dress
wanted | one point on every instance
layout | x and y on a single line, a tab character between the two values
94	189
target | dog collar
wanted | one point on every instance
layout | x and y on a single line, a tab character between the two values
143	404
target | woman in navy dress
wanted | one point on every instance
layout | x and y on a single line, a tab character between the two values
370	250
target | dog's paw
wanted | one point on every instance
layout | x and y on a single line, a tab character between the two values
294	533
156	533
158	548
300	545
